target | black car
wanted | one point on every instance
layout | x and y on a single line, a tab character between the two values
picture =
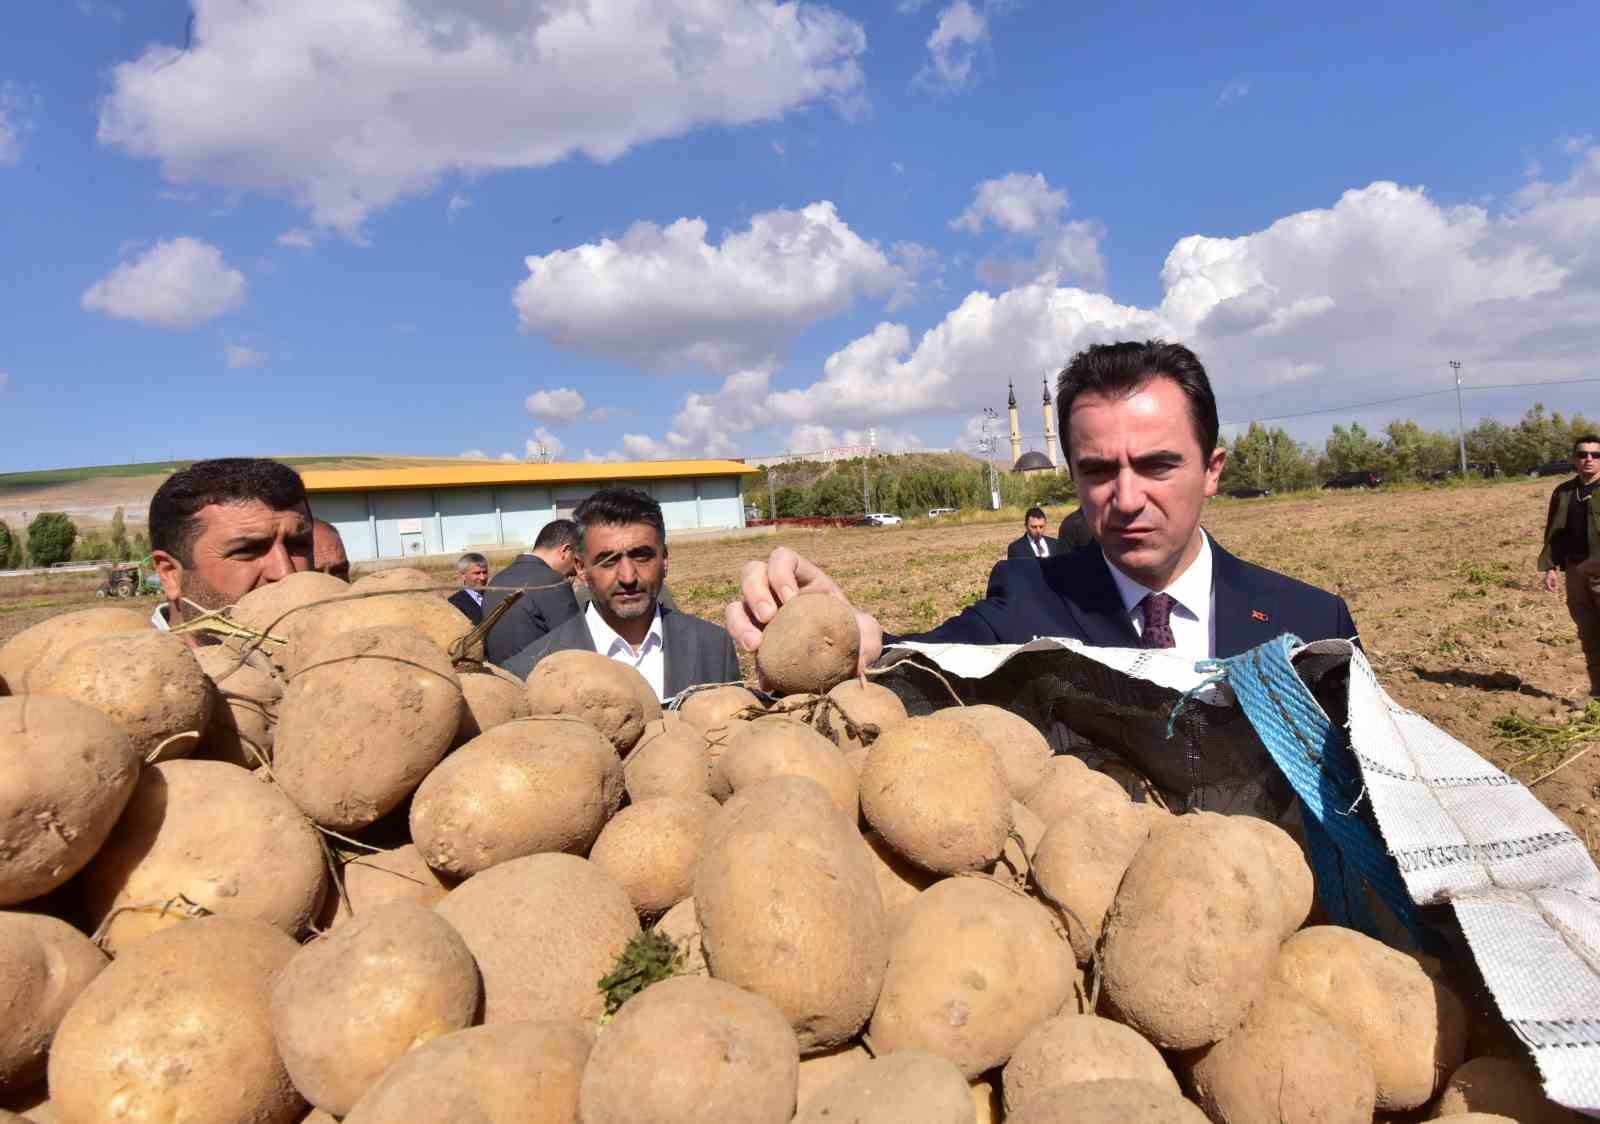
1362	478
1554	468
1486	469
1247	493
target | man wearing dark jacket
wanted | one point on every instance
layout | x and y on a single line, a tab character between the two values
1572	544
1034	543
548	601
473	570
1074	533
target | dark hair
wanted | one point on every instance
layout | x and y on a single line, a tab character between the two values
1116	369
618	506
556	534
1586	439
468	560
1035	512
175	508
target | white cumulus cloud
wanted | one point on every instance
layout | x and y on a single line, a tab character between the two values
473	455
346	107
666	296
543	445
175	284
1026	206
563	404
953	46
239	356
15	122
1017	203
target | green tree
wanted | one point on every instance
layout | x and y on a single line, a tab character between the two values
1350	449
50	538
10	548
120	549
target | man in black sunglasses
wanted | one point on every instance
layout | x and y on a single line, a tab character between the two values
1572	543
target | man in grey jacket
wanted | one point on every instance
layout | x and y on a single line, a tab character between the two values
622	557
548	601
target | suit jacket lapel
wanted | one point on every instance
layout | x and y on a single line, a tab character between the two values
678	654
1091	599
1241	616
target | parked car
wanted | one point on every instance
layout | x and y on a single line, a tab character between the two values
1485	469
879	519
1554	468
1248	493
935	512
1361	478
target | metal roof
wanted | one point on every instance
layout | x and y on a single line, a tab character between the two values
507	472
1031	460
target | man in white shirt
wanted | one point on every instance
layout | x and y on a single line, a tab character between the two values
1034	543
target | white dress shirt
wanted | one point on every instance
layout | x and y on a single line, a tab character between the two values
1039	547
649	661
1193	627
475	594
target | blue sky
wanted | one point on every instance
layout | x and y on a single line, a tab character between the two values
390	226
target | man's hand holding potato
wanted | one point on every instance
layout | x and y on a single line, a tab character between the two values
764	586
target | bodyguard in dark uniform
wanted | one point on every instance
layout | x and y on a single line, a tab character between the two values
548	602
1572	544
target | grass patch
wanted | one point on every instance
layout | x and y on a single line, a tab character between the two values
1541	743
649	958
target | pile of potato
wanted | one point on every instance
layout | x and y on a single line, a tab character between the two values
343	876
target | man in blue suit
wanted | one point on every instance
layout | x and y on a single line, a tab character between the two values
1139	422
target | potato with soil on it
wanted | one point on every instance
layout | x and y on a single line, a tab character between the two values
209	832
973	967
514	1073
611	697
693	1049
437	620
1500	1087
1079	864
651	848
669	759
526	787
66	773
789	908
811	645
818	1071
1064	787
908	1086
349	1005
36	648
1286	1063
1016	860
278	608
937	794
543	929
865	704
149	683
1023	751
1410	1027
711	707
681	926
246	698
1071	1049
44	965
1294	872
178	1028
899	879
362	725
1112	1101
397	578
490	698
718	738
398	874
772	747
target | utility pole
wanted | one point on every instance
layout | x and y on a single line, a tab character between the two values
987	446
772	502
1461	424
866	495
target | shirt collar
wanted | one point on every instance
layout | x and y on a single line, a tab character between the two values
1190	589
475	594
607	642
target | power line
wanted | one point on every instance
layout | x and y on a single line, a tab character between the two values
1352	406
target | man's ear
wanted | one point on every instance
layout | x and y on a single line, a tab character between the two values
170	571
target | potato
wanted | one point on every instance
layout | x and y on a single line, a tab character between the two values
651	848
811	645
397	578
348	1006
1112	1101
865	704
246	698
543	929
1071	1049
973	967
1191	935
819	1071
36	648
693	1049
513	1073
278	608
899	880
937	794
492	698
772	747
1411	1027
718	738
908	1086
1017	858
1285	1063
789	908
668	760
1294	872
534	785
1500	1087
212	833
610	696
1079	864
44	965
177	1028
438	620
149	683
398	874
1063	787
682	927
66	773
1024	753
360	727
711	707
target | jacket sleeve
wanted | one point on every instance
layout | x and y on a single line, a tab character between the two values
1547	556
1014	549
1346	625
522	662
731	672
976	624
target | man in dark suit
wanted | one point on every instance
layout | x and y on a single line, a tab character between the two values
1034	543
1074	533
622	557
547	601
473	569
1140	427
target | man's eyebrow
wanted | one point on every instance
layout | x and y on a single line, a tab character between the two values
246	538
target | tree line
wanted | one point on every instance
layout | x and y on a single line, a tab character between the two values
51	538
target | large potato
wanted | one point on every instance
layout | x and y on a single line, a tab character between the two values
974	966
513	1073
544	929
538	784
908	1086
247	693
811	645
35	649
1191	936
692	1049
212	833
66	773
1286	1063
366	720
819	1071
1023	751
714	706
441	622
178	1028
865	705
681	926
492	698
278	608
937	794
1289	862
610	696
1112	1101
1500	1087
789	908
1079	864
397	578
1066	783
652	847
718	738
349	1005
773	747
149	683
1070	1049
1411	1027
669	759
44	965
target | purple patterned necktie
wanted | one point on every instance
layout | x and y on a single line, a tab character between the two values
1158	620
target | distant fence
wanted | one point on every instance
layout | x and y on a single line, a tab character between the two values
62	568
